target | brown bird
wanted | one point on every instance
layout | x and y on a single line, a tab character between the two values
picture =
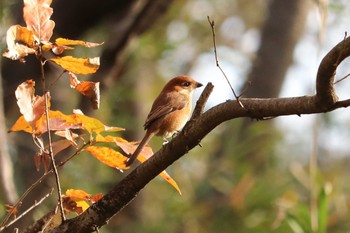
170	111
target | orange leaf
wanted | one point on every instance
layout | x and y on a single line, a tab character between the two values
21	125
108	156
68	42
78	65
77	194
95	198
78	200
20	42
164	175
87	88
90	90
36	14
170	180
146	153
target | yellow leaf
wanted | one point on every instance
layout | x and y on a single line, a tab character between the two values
108	156
78	65
68	42
77	194
91	124
87	88
78	201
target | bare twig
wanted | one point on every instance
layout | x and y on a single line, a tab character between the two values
53	163
58	77
28	210
212	25
36	183
343	78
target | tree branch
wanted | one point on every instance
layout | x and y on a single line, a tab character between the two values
195	130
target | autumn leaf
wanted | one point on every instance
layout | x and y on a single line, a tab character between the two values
68	42
21	125
32	108
90	124
25	95
58	121
130	147
87	88
78	201
78	65
36	14
20	42
164	175
68	134
108	156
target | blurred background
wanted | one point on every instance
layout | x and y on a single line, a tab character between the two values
287	174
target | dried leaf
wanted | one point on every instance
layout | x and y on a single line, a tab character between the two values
108	156
73	80
36	14
25	95
71	206
69	135
78	65
20	43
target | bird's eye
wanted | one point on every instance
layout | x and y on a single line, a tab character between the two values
187	84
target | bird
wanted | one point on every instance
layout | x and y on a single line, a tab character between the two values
170	111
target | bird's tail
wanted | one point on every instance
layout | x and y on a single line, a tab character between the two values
138	150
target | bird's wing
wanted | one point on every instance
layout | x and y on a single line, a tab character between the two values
164	106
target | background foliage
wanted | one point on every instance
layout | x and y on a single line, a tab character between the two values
281	175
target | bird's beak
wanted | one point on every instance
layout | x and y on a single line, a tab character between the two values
198	84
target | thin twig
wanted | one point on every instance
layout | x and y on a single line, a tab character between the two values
53	163
36	183
212	25
28	210
345	77
56	79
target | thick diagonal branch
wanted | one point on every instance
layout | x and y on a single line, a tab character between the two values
195	130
